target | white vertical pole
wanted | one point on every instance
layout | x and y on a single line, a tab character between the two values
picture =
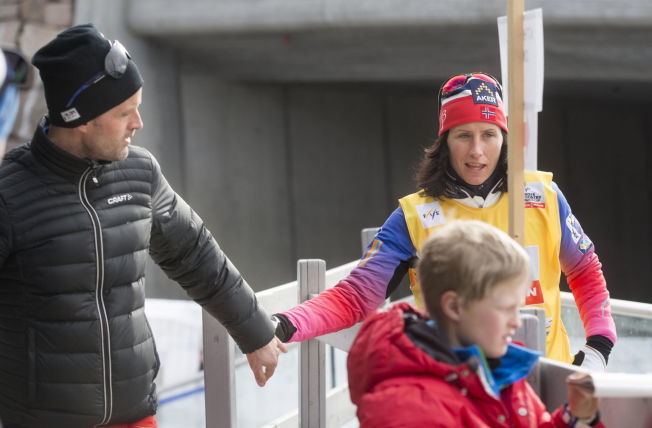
516	89
219	374
311	278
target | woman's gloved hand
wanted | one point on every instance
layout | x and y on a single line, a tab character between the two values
284	328
595	354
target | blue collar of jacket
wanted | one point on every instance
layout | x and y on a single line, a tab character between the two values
495	374
515	365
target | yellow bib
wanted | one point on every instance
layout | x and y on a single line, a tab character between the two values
424	215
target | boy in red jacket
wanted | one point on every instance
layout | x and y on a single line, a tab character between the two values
459	368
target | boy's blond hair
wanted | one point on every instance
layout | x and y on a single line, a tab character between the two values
469	257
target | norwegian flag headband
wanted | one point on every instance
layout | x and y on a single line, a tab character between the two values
472	97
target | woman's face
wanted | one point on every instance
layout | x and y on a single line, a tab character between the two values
474	150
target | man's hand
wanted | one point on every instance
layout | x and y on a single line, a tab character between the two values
263	361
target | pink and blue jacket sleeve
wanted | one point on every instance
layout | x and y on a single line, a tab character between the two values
386	260
363	290
583	271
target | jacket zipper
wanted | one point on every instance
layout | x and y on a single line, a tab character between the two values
99	295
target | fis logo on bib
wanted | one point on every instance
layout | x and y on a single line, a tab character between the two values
431	214
534	195
120	198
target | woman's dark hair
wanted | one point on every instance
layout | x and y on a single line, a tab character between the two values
431	175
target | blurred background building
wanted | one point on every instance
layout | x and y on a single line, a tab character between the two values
289	125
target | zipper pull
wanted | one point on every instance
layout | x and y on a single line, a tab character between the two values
95	167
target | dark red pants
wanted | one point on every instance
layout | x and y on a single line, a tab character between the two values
148	422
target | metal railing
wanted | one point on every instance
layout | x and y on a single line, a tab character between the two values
618	307
318	409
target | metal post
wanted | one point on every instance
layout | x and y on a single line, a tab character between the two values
533	335
367	235
219	375
311	278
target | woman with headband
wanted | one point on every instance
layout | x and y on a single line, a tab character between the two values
463	175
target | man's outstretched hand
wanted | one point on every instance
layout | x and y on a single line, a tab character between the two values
263	361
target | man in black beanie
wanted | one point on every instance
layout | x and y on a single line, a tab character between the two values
80	209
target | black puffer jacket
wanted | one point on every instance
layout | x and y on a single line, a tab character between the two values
75	347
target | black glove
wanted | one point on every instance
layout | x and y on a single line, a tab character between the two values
595	354
284	328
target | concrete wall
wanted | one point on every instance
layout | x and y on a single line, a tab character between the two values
282	172
394	40
237	173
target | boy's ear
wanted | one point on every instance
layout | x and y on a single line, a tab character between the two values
451	305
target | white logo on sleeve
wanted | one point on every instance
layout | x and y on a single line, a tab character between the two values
431	214
573	226
119	198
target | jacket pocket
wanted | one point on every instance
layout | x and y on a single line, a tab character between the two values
158	359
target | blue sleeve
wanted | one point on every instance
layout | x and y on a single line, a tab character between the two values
363	290
575	244
395	236
583	271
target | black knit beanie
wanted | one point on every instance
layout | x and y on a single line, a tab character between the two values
70	62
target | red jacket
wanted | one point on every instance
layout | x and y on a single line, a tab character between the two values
402	375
